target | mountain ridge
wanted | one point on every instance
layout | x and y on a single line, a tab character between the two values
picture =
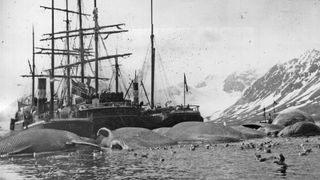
294	83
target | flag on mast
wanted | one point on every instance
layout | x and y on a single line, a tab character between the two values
185	82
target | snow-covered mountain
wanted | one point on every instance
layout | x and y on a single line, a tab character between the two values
293	83
209	93
210	96
239	81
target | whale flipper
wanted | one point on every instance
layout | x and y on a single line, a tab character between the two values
23	150
82	143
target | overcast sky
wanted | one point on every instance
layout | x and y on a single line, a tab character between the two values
199	37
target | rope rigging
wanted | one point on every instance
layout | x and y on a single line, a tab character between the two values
74	46
165	80
162	82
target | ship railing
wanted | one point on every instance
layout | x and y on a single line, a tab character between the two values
122	103
110	104
188	107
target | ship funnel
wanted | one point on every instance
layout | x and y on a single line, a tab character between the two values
135	92
42	83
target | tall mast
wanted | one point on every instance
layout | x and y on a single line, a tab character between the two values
152	58
184	89
52	64
33	66
68	55
81	41
117	73
96	29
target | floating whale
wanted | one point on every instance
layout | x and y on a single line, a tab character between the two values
204	132
302	128
41	140
131	137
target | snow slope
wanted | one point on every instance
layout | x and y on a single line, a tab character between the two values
295	83
211	94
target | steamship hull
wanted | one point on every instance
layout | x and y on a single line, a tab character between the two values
169	118
112	117
176	117
118	117
89	121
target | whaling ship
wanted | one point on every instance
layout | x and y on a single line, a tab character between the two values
85	109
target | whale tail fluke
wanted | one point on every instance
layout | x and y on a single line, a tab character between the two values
105	132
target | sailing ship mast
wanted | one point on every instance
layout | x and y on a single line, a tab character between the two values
52	63
68	55
53	53
81	52
33	67
81	41
152	58
117	74
96	40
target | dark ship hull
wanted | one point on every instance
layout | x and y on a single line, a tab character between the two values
89	119
179	116
112	113
114	117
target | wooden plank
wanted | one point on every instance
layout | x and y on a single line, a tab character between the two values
86	34
63	76
64	53
64	10
92	60
88	29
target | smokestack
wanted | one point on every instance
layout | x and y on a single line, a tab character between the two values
42	83
135	92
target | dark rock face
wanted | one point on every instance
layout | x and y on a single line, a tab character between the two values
295	82
291	116
201	84
300	129
237	82
207	80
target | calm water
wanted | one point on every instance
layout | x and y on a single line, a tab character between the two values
178	162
